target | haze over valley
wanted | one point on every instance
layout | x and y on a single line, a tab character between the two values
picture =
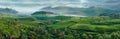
59	19
30	6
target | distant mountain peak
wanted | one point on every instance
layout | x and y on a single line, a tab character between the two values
89	11
7	11
42	13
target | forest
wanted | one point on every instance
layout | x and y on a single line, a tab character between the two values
59	27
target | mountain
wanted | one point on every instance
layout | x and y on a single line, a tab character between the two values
33	5
7	11
42	12
112	15
110	4
90	11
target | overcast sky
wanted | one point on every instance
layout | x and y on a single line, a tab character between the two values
33	5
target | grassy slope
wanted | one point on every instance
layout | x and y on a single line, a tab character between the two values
97	24
13	26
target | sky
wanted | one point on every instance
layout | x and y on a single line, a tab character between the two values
34	5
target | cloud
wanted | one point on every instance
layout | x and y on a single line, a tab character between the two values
73	3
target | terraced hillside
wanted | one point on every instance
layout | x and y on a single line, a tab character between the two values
69	28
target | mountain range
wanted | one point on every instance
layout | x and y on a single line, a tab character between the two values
90	11
33	5
7	11
64	10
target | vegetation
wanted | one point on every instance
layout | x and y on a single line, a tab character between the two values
59	27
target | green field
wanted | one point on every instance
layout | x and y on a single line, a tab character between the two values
59	27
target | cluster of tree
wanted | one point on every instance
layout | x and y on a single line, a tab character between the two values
13	28
43	33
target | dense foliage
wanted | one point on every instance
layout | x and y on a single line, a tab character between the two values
59	27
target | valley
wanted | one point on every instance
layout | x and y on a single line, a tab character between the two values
40	25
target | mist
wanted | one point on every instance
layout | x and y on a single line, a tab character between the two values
30	6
